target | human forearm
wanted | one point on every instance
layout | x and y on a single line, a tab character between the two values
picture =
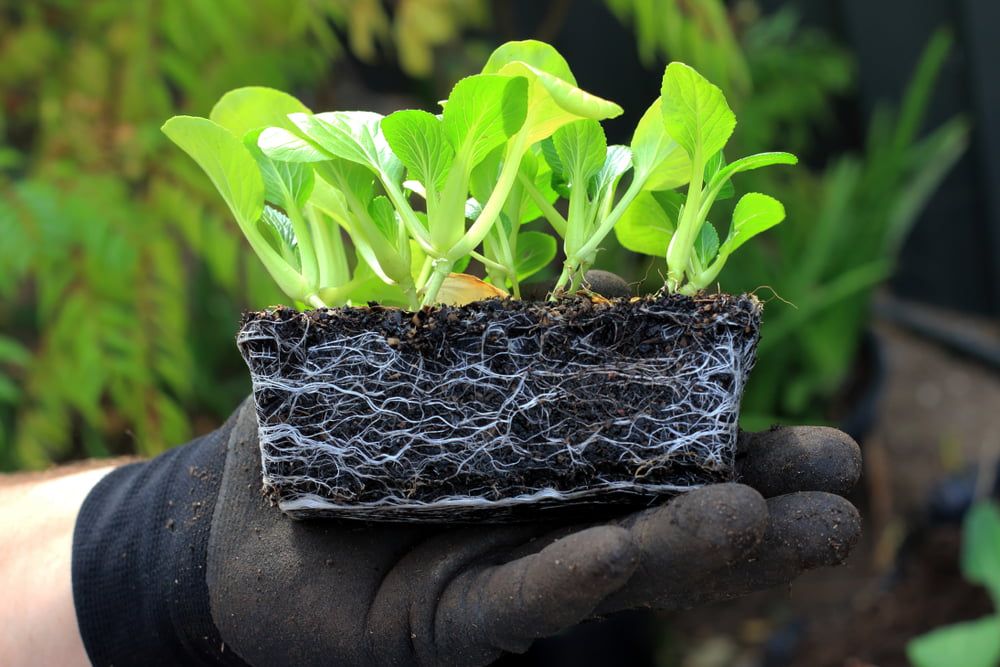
37	619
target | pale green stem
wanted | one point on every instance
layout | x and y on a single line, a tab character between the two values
488	216
688	226
564	278
307	253
442	267
314	301
608	223
410	219
554	218
488	263
425	272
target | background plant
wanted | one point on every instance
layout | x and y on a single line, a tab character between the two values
121	276
972	643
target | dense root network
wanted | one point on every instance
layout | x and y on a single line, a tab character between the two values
479	411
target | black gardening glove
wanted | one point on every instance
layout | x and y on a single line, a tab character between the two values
209	570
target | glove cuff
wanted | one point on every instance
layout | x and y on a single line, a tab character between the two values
139	554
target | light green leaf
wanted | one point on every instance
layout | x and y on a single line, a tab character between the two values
419	141
12	352
645	227
754	213
350	178
670	201
482	112
581	148
749	163
534	252
712	167
331	201
706	246
970	644
353	136
617	160
695	111
553	97
277	229
540	55
284	146
384	215
225	160
659	162
285	183
253	107
235	174
343	192
981	547
9	391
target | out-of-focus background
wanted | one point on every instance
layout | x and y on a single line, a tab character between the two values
122	277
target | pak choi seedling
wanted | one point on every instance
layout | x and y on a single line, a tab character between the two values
419	195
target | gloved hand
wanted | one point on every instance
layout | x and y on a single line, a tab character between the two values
231	575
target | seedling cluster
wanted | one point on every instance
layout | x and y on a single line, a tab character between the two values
419	195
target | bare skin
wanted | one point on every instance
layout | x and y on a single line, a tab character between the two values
37	618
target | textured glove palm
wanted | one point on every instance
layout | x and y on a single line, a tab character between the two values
326	592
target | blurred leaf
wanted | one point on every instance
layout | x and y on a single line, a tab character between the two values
535	250
970	644
981	547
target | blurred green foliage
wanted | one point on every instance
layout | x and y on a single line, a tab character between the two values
850	220
846	220
122	277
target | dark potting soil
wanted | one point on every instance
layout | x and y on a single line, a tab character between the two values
499	398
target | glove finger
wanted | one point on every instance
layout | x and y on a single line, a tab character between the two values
798	458
508	606
806	531
700	531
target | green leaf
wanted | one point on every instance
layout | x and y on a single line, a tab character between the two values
534	252
617	160
981	547
751	162
254	107
9	391
12	352
659	162
418	140
331	201
645	226
285	183
712	167
671	201
284	146
277	229
695	111
754	213
553	97
482	112
235	174
706	246
225	160
538	54
581	148
969	644
354	136
381	211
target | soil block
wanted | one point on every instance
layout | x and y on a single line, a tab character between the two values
498	410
